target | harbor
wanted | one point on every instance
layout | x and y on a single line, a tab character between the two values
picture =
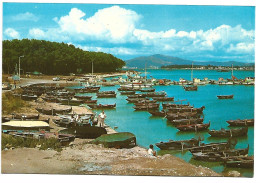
190	108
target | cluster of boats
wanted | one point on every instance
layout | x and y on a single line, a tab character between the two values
212	152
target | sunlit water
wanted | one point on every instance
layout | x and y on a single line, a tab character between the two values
150	130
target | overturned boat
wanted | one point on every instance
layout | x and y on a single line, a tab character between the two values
117	140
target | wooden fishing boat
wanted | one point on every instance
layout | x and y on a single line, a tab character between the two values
64	139
127	92
147	107
54	111
241	122
158	113
209	156
135	100
190	88
229	133
83	97
106	95
240	162
177	122
170	105
220	146
73	101
224	152
89	89
90	101
29	97
106	92
117	140
193	127
225	96
154	94
181	110
178	145
163	98
185	115
136	96
85	131
102	106
26	116
128	89
147	90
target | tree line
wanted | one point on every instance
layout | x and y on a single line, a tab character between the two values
53	58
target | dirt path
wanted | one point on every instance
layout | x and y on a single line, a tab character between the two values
83	158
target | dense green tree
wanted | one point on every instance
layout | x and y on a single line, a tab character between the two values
55	58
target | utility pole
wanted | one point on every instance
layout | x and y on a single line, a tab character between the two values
20	66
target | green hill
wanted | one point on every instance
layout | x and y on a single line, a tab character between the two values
55	58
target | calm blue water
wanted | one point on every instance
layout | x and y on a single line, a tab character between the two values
150	130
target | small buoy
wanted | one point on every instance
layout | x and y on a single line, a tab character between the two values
115	127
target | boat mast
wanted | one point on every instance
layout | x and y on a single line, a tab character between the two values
145	72
232	71
192	72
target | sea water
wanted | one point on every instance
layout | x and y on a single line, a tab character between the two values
151	130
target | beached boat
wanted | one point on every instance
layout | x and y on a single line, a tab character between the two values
178	145
238	132
117	140
85	131
29	97
90	101
225	96
54	111
102	106
190	88
26	116
163	98
89	89
25	125
177	122
193	127
64	139
241	122
73	101
83	97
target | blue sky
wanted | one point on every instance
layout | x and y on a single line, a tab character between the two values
201	33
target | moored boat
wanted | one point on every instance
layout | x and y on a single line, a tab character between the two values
163	98
225	96
178	145
190	88
102	106
229	133
177	122
241	122
193	127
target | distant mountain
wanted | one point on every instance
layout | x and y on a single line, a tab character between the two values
159	60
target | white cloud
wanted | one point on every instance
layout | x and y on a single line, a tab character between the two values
25	17
120	26
113	24
242	48
11	33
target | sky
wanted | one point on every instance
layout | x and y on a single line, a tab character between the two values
199	33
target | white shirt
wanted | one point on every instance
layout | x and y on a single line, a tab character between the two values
150	152
102	115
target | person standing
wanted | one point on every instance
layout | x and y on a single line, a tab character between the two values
101	119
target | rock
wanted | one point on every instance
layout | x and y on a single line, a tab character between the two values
166	156
233	174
